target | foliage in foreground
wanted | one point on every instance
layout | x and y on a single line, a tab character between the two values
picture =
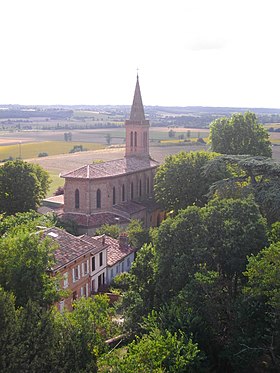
38	340
22	186
153	352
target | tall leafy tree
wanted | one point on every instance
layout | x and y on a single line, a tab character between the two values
22	186
181	181
259	176
240	134
235	229
25	262
9	330
139	299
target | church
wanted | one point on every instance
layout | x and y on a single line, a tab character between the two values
117	191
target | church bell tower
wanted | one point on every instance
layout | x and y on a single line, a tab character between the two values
137	128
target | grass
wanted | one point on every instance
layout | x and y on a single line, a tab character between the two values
31	150
56	182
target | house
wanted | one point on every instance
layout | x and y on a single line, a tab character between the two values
120	255
86	265
119	190
80	263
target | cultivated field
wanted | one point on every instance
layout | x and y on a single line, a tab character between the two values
28	144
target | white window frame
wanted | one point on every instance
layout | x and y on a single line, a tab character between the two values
76	278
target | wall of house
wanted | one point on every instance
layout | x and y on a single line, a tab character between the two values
75	278
98	275
120	267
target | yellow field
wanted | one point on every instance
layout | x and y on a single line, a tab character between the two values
31	150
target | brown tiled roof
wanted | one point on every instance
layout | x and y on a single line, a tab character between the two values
130	207
94	220
111	168
69	247
115	252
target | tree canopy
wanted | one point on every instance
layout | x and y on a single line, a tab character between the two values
259	176
180	181
239	134
22	186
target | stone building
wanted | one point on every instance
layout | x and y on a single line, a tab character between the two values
119	190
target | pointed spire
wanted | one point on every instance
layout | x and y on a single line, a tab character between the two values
137	109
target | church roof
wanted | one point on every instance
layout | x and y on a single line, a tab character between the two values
94	220
137	109
111	168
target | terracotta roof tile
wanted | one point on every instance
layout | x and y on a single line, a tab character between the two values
130	207
115	252
111	168
94	220
69	247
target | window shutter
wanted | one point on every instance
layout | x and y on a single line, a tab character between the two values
86	290
73	275
79	272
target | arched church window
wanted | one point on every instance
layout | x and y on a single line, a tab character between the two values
123	193
131	191
135	139
98	199
140	188
77	199
148	186
114	195
131	139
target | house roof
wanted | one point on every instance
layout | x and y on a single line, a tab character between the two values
115	252
94	220
111	168
70	247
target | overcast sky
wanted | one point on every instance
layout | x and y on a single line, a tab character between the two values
189	52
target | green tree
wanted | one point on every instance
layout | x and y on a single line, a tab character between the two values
110	230
171	133
235	229
25	260
139	299
263	288
85	330
181	180
240	134
22	186
259	176
137	234
180	247
154	352
9	330
108	138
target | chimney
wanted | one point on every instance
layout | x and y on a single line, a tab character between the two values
123	240
103	239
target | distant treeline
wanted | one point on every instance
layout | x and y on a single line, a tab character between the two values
52	114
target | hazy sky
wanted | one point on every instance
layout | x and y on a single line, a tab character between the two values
189	52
